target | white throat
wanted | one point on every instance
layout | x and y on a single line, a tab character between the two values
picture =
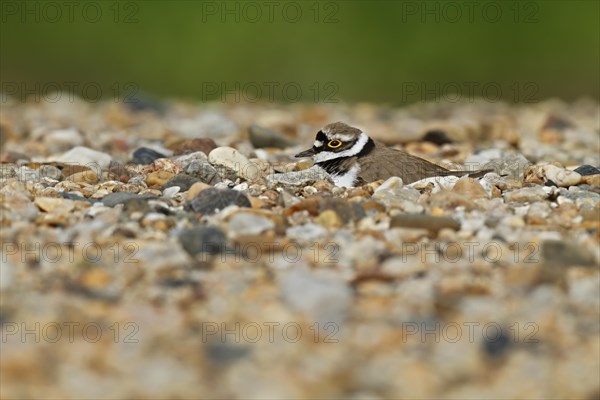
347	179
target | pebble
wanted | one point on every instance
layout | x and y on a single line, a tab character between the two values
235	162
183	181
84	156
560	176
423	221
212	200
158	178
118	172
322	299
591	179
298	179
435	184
512	165
53	204
145	156
585	170
307	234
264	137
113	199
203	239
195	189
188	146
84	177
62	139
559	255
526	195
186	159
248	224
204	171
328	272
470	188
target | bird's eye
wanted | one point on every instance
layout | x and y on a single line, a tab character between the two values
334	144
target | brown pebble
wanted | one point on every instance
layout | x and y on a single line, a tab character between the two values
118	172
591	179
195	189
158	178
470	188
84	177
329	219
205	145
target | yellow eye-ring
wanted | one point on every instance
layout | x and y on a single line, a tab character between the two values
334	144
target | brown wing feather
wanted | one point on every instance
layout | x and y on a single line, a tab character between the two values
385	162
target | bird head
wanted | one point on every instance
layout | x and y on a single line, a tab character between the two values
336	140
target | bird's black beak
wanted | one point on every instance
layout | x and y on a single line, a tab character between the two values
306	153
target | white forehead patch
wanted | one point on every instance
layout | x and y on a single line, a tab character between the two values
342	137
318	143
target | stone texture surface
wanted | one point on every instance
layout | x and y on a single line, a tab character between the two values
123	279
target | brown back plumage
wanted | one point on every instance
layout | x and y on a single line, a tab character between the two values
384	162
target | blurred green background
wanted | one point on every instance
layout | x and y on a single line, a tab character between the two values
379	51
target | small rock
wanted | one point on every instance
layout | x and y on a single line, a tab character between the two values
186	159
307	234
204	171
437	137
404	198
324	299
559	255
113	199
52	204
392	183
235	163
587	169
450	200
203	239
213	200
592	179
560	176
84	177
118	172
261	137
12	157
423	221
248	224
329	219
298	179
204	145
62	139
158	178
85	156
435	184
183	181
470	188
195	189
145	156
512	165
538	213
526	195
